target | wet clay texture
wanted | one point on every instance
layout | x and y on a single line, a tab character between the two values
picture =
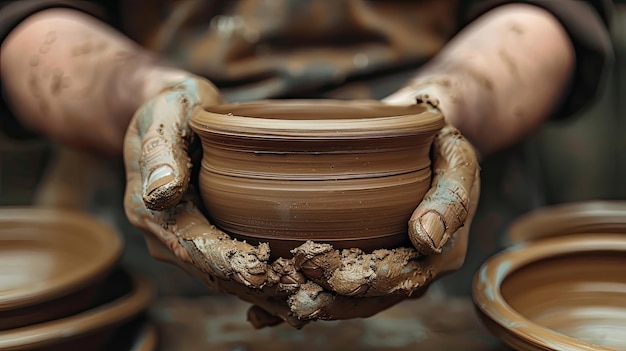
560	293
50	262
347	173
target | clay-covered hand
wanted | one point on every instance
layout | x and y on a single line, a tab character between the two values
157	158
319	282
438	230
351	283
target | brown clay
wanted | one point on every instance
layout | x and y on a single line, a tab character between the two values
50	260
86	330
560	293
569	218
348	173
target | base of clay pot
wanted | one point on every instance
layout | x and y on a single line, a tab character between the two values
282	248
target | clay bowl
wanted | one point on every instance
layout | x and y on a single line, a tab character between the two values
560	293
349	173
51	262
569	218
127	295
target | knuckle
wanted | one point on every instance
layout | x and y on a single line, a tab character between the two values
152	148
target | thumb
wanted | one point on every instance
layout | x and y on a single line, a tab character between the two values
163	126
448	204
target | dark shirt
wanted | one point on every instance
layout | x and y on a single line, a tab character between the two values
325	48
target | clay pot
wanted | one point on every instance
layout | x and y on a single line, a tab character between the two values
348	173
569	218
51	263
559	293
91	329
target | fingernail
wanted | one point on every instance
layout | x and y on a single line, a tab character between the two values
159	177
287	280
434	227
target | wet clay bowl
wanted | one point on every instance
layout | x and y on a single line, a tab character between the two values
569	218
348	173
560	293
51	262
125	296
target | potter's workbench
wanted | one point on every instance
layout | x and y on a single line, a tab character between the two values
218	323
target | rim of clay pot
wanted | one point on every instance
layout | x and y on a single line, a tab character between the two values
103	316
370	118
488	282
104	254
569	218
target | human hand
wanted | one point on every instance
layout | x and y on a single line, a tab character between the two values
319	282
352	284
157	155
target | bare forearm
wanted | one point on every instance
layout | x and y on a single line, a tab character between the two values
75	79
501	77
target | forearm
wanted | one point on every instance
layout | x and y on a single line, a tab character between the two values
74	79
501	77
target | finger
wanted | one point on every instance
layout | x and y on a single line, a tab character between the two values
135	208
187	233
214	252
453	254
163	126
446	205
355	273
312	303
164	162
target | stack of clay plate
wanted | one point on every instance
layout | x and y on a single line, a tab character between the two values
61	287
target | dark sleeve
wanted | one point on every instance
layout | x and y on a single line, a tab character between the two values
11	14
587	24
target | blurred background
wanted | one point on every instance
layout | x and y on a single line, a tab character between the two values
589	147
